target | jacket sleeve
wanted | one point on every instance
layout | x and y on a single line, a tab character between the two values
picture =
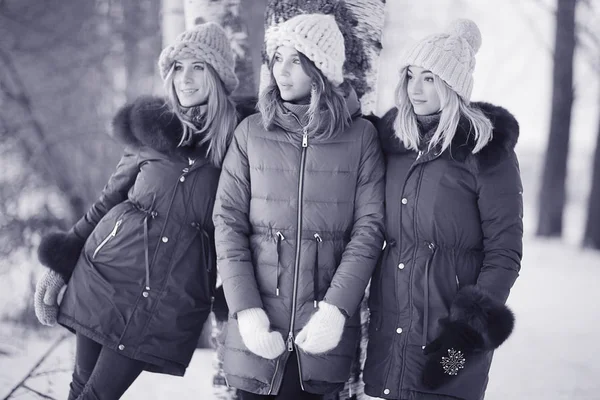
500	203
60	251
232	227
114	192
360	255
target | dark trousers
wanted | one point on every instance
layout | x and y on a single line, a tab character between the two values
101	373
290	385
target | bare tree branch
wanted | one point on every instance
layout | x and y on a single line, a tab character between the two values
21	383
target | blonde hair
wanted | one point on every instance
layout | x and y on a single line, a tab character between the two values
325	99
452	108
220	116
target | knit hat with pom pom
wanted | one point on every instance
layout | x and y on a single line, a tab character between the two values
449	55
317	36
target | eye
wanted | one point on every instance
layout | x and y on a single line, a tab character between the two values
409	77
199	67
429	79
277	58
177	67
296	61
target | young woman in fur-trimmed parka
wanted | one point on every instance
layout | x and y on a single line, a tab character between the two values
453	229
141	264
298	221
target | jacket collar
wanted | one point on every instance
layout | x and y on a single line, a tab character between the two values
149	121
504	139
289	122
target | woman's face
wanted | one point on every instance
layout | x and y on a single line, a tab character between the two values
189	80
421	91
293	83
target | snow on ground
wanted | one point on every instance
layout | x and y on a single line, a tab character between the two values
552	355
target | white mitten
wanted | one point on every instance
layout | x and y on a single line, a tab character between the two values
323	331
47	291
254	328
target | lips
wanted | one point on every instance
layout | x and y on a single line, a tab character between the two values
414	101
188	91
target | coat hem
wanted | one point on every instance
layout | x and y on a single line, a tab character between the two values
153	363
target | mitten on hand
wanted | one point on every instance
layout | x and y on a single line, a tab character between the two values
323	331
449	353
254	327
47	291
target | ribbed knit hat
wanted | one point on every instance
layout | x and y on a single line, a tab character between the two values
207	42
318	37
449	55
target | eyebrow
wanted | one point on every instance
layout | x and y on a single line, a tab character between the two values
425	71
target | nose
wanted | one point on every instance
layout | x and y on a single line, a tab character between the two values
285	69
415	86
187	75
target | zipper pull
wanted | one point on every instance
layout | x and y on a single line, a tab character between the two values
114	231
305	138
420	154
431	246
290	342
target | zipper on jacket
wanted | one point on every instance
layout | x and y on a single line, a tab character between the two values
111	235
290	339
298	238
431	247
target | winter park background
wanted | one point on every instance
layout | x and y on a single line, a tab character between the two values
554	351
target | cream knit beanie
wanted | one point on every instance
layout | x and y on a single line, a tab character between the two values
318	37
207	42
449	55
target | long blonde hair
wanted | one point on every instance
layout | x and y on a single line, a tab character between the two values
325	100
220	116
452	108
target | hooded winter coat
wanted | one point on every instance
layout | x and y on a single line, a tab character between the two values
453	233
144	278
298	219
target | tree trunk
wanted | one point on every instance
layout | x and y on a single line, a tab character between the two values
141	43
591	238
173	20
552	193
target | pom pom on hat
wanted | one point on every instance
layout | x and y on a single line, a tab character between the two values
468	30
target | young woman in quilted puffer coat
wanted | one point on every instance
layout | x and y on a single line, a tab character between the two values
141	264
298	221
453	229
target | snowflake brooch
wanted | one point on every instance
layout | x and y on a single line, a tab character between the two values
454	362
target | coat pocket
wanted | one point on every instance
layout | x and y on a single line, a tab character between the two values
108	238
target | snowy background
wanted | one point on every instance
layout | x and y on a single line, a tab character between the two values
554	353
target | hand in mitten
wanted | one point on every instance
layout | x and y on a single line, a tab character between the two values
323	331
47	291
254	328
449	353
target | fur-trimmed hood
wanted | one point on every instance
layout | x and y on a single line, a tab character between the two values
504	140
149	121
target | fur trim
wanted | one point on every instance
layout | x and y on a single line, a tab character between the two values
504	139
487	316
60	251
149	121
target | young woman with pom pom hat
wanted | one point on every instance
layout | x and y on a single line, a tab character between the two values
453	229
